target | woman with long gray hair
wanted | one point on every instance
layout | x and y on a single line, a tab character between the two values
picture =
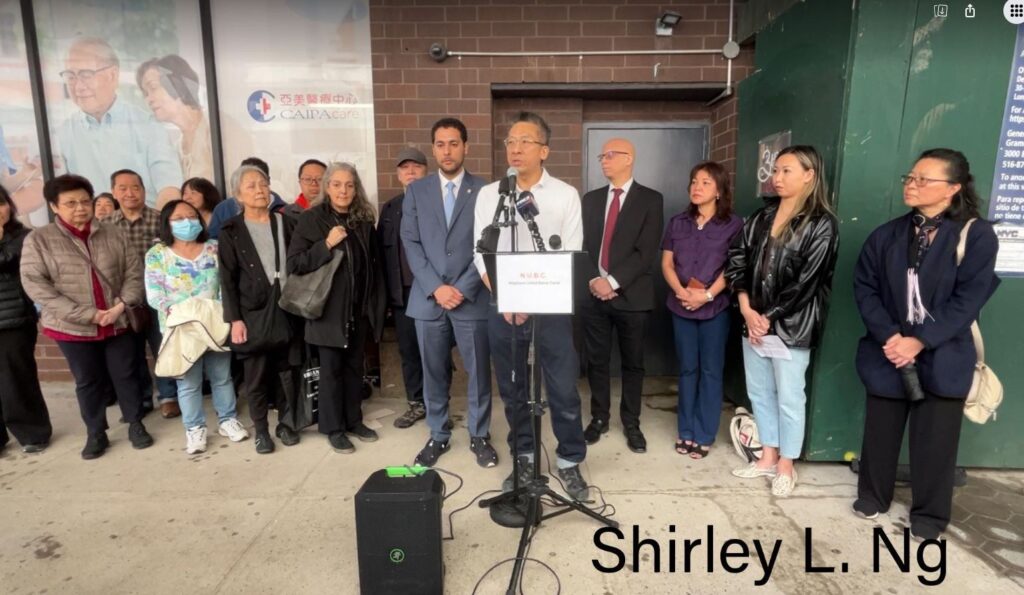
252	250
780	268
341	220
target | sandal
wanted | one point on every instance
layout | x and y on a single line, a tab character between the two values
684	447
698	452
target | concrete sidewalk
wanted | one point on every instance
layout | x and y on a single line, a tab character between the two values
231	521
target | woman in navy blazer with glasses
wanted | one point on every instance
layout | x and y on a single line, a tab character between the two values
917	358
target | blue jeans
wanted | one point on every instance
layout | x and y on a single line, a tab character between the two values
776	391
190	390
700	347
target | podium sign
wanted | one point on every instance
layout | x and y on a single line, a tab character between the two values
535	282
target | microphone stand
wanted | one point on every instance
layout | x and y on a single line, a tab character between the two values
524	501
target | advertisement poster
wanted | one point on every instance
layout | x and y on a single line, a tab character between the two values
295	82
1006	205
767	150
20	170
125	87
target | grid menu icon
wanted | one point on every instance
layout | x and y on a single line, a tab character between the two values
1013	10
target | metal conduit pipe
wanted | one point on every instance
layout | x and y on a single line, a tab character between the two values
729	51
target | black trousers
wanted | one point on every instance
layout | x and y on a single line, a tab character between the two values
599	319
22	408
934	439
262	375
409	351
97	364
341	383
559	365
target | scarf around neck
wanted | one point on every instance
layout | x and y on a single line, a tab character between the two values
916	311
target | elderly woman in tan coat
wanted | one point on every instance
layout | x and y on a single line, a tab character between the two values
84	277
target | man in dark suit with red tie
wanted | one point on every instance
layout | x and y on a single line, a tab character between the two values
622	226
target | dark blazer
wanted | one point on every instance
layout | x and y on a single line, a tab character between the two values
16	308
439	254
389	229
635	246
243	283
309	251
952	295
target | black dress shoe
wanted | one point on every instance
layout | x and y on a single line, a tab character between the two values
33	448
288	436
264	443
138	435
635	439
95	446
340	443
594	430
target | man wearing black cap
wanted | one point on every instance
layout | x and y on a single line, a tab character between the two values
410	166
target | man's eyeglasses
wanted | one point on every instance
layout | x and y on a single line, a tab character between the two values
310	181
70	77
526	143
74	204
920	181
609	155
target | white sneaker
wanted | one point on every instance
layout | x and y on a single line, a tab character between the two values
782	485
195	440
752	471
233	430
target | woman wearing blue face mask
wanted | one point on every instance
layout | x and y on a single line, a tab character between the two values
182	266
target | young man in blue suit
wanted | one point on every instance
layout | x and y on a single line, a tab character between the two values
448	298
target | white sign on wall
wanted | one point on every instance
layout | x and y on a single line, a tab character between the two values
295	82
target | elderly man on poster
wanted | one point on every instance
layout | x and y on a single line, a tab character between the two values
108	133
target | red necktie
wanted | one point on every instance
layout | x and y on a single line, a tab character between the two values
609	228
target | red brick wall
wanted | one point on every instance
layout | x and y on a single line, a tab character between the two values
50	361
411	90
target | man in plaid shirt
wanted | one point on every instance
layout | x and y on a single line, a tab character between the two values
141	225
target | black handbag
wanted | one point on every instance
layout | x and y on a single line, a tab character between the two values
267	328
138	317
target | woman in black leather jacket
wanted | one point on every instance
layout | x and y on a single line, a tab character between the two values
917	359
341	220
22	408
780	268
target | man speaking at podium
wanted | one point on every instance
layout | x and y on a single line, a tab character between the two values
558	214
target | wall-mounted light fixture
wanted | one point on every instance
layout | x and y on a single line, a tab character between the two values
666	23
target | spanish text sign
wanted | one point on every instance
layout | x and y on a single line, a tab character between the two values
1006	204
535	282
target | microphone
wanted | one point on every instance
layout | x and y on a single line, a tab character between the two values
526	206
555	242
508	183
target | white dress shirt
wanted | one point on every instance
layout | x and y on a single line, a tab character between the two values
558	206
457	180
608	205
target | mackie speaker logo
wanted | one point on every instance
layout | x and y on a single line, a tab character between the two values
396	555
259	105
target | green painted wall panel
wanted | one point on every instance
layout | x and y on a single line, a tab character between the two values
956	93
872	85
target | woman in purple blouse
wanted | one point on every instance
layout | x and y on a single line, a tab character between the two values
694	253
